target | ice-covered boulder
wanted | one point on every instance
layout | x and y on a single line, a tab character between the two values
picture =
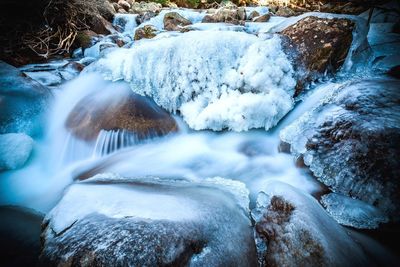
351	142
318	45
217	80
116	108
292	229
22	101
115	221
15	149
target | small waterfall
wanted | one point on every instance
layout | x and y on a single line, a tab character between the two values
109	141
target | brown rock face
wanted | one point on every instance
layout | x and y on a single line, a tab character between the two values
320	45
120	109
174	22
146	32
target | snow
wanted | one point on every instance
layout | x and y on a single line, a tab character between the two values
15	149
352	212
198	72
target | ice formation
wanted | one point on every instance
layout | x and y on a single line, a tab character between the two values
292	229
356	126
151	221
352	212
217	80
15	149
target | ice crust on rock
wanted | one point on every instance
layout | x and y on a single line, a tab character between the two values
15	149
357	126
352	212
114	220
292	229
217	80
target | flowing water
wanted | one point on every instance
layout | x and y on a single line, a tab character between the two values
194	76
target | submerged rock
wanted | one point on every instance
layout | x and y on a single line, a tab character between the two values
108	221
119	109
15	149
318	45
351	142
22	101
174	22
292	229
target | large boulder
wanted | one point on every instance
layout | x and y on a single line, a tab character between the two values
145	32
351	142
22	101
174	22
144	7
118	109
292	229
116	221
19	236
319	45
15	149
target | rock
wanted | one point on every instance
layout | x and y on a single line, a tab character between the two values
143	7
394	72
145	32
143	17
125	5
19	236
285	11
116	7
253	15
107	221
22	101
229	14
320	45
263	18
15	149
86	39
351	142
100	25
292	229
174	22
119	109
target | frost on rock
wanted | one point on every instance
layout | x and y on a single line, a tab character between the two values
217	80
352	212
15	149
351	142
292	229
110	220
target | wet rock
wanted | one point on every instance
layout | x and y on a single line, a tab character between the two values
263	18
145	32
230	14
86	39
292	229
124	110
15	149
253	15
351	142
22	101
125	5
395	72
175	22
19	236
145	16
320	45
147	222
100	25
116	7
